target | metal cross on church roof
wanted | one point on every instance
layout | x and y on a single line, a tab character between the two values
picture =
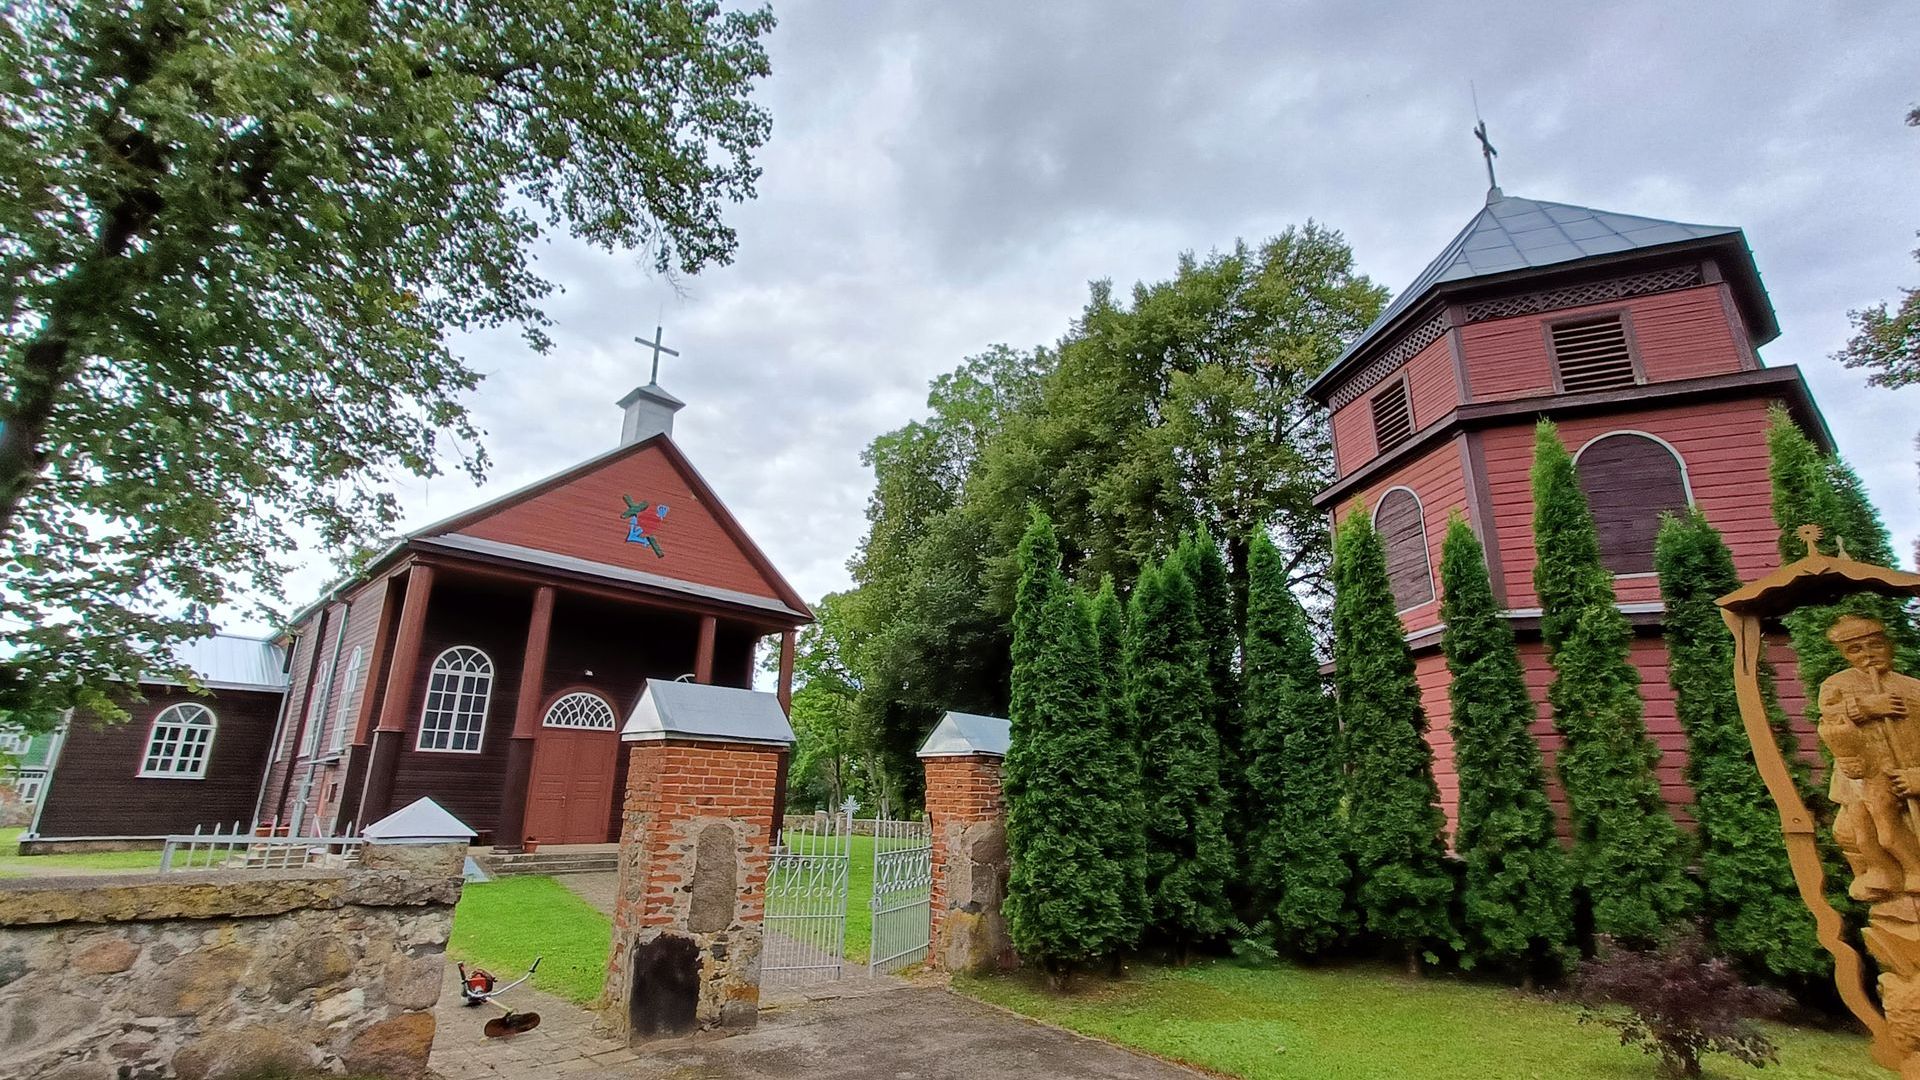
1487	151
658	348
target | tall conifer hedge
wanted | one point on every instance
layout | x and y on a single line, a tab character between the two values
1518	901
1395	825
1752	905
1189	861
1629	856
1199	558
1126	840
1064	904
1298	872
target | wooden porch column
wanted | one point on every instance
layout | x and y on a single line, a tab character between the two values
526	724
383	759
703	652
786	672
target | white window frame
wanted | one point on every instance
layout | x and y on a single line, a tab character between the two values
460	721
582	697
179	719
28	786
1686	476
1426	546
339	740
14	743
317	709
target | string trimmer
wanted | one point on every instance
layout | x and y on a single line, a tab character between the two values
479	987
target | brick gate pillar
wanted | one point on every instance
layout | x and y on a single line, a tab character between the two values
696	833
962	758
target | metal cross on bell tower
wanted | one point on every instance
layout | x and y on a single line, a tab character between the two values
658	348
1487	151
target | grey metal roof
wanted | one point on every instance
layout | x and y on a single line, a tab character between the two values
421	821
1511	233
959	734
698	711
550	560
232	662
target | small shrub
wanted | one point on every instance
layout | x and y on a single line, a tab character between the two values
1680	1003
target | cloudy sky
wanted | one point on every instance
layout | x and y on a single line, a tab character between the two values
943	177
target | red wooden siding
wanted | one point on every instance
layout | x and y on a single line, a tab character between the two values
582	518
1630	481
97	790
1721	444
1432	392
1682	334
1430	671
1439	479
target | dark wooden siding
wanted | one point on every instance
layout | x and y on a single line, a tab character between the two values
97	790
603	646
1629	481
1404	533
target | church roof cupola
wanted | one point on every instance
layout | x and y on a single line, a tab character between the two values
648	410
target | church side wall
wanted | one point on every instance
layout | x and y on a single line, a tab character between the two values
1432	392
97	789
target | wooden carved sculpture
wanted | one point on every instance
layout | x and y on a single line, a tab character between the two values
1870	721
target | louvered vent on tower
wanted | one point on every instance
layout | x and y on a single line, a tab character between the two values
1392	419
1593	355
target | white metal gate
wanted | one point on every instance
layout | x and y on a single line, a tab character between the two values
806	919
902	901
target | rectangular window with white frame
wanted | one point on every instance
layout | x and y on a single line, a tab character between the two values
349	683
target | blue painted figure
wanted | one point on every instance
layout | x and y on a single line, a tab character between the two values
636	532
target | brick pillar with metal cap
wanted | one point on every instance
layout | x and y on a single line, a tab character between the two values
696	835
962	759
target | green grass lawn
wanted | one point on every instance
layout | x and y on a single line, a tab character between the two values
1366	1022
502	925
13	864
859	896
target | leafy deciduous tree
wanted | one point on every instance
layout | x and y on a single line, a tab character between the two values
235	239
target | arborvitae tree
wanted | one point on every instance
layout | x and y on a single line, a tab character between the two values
1199	558
1064	894
1126	840
1811	487
1518	900
1629	855
1299	876
1189	862
1395	825
1751	905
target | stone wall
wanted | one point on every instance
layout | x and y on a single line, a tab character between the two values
206	973
694	844
969	864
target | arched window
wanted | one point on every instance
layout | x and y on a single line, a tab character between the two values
1630	479
455	716
343	718
180	742
1402	525
581	709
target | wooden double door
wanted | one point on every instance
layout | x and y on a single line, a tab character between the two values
570	794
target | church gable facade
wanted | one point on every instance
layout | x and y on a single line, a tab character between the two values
1638	338
488	660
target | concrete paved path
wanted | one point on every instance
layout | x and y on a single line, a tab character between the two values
876	1033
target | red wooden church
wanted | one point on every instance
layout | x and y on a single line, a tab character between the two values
489	660
1639	338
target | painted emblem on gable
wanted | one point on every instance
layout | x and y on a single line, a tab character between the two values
638	526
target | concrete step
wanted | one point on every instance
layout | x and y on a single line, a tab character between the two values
540	862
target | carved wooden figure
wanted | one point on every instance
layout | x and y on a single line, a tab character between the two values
1870	720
